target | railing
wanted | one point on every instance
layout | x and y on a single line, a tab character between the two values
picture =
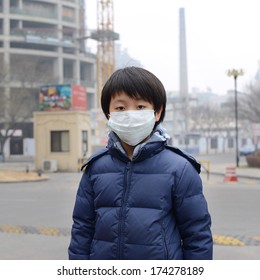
42	37
81	161
68	19
31	32
33	12
205	164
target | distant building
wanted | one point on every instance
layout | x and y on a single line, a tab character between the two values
123	59
207	136
257	75
42	42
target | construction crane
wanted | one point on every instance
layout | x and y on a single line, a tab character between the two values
105	37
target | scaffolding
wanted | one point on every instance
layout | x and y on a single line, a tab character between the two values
105	36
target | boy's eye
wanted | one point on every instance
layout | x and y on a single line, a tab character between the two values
119	108
140	107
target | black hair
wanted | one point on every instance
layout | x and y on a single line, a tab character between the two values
136	82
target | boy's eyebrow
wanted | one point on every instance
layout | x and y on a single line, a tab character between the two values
123	101
138	98
118	100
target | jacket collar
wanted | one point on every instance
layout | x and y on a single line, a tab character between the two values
152	145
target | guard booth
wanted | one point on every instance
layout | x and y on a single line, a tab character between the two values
62	131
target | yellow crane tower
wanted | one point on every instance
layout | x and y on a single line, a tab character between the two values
105	36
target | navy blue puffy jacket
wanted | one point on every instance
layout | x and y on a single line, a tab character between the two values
149	208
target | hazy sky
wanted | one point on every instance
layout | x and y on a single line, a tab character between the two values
220	34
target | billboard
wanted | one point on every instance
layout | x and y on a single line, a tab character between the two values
63	97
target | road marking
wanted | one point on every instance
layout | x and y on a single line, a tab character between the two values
51	231
225	240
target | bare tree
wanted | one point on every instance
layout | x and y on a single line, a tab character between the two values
14	112
249	103
210	120
17	102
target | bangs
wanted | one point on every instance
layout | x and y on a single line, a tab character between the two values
134	87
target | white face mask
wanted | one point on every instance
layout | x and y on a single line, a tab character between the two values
132	126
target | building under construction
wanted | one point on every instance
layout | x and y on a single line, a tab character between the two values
42	42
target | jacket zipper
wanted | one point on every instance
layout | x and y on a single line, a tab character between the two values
122	212
164	242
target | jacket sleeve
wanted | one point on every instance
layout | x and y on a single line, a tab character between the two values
192	216
83	221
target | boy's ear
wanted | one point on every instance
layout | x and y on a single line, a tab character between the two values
158	114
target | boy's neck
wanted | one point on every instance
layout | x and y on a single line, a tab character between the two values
128	149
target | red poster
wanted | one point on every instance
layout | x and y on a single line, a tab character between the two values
79	98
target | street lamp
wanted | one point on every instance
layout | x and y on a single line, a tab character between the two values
235	73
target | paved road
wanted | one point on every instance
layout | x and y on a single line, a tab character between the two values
235	208
37	210
35	217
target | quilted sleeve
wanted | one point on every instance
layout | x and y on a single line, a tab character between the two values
192	216
83	221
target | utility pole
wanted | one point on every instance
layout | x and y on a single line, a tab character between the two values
235	73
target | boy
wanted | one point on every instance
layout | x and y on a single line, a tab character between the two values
139	198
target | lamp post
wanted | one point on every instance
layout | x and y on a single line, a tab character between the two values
235	73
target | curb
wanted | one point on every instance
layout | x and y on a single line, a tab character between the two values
14	176
25	181
239	176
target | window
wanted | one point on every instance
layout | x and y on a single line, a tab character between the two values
16	146
84	141
214	143
60	141
187	140
230	143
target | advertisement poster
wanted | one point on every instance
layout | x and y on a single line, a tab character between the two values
62	97
79	97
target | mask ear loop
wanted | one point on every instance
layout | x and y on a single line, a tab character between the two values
156	122
155	115
108	129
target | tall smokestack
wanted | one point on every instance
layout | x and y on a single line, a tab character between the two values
184	94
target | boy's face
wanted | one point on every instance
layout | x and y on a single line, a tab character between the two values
122	102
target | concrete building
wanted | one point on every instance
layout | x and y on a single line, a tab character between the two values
41	42
62	140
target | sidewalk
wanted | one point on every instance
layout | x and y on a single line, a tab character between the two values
218	163
12	172
242	172
18	166
214	168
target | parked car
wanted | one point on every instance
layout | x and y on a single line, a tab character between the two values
247	149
